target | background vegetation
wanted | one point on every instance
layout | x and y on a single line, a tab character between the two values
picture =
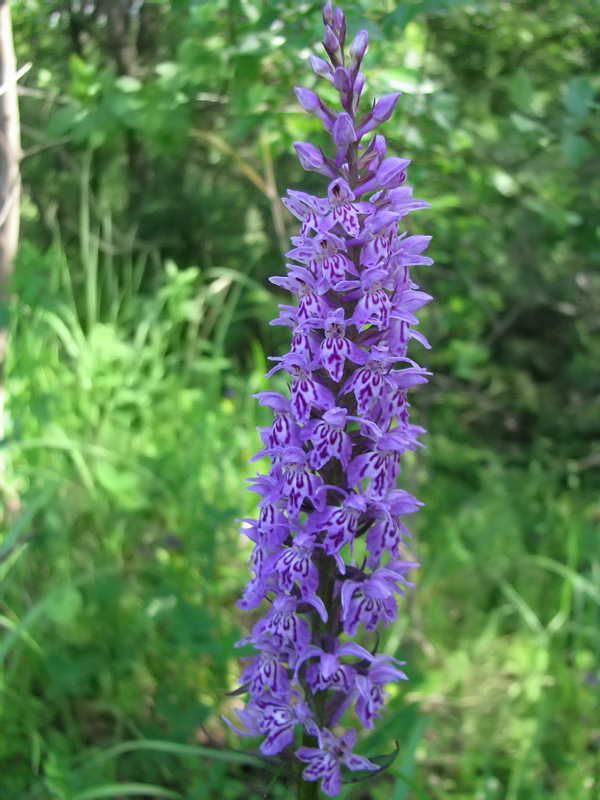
157	139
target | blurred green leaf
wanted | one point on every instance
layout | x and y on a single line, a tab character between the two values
65	606
579	96
576	149
126	83
521	90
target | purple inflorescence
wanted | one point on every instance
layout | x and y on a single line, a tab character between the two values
336	442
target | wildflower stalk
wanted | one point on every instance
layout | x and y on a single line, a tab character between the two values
336	442
307	791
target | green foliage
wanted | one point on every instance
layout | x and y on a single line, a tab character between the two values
133	478
150	224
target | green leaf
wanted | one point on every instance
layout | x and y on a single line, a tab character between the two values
124	486
505	183
65	607
527	125
575	149
126	83
383	761
403	14
372	28
579	96
167	70
71	670
521	90
438	7
62	121
386	760
448	201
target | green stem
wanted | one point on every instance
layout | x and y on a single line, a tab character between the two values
306	790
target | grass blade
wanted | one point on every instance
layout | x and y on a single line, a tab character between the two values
406	765
174	748
580	583
112	790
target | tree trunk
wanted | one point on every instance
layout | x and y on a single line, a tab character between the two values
121	42
122	47
10	154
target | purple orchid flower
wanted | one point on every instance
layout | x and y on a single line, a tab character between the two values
337	440
324	762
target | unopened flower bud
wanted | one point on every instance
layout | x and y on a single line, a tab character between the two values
321	67
357	52
328	13
359	85
343	130
339	25
379	145
392	172
331	44
307	99
358	47
311	103
312	159
375	152
384	107
341	80
382	111
343	135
